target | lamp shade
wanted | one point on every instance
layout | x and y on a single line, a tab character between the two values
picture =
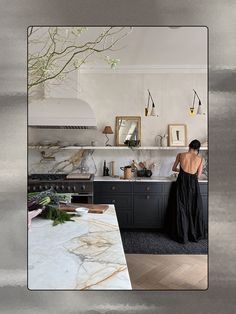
199	110
153	112
107	130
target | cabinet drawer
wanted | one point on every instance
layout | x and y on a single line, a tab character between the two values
120	201
145	187
112	187
203	188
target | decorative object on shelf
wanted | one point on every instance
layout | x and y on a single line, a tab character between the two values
163	139
132	143
145	170
112	167
192	109
107	130
134	165
127	172
153	110
105	169
177	134
128	130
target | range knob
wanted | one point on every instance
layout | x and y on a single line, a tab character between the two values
40	187
83	187
62	187
74	188
46	186
68	188
34	188
57	187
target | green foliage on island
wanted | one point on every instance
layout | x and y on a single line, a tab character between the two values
49	201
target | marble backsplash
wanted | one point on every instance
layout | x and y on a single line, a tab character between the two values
94	160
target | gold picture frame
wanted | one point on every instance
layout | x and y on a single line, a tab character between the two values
131	131
177	134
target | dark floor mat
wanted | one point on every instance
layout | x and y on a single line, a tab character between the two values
140	242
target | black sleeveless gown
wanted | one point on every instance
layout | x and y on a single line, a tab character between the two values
186	222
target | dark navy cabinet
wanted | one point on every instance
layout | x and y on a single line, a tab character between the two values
121	195
150	204
140	204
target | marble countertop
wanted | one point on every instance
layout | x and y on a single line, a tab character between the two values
141	179
81	255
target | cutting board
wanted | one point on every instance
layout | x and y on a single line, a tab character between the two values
93	208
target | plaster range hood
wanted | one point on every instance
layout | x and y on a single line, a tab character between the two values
61	113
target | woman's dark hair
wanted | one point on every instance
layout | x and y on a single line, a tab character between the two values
195	144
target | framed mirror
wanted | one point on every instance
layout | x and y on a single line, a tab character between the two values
128	131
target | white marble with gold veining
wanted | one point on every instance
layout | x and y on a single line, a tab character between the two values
80	255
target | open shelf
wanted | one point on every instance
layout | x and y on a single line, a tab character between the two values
39	147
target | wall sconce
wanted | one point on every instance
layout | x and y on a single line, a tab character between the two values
153	111
199	110
107	130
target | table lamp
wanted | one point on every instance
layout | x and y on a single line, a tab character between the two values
107	130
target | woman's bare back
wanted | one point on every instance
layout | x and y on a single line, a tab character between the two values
190	162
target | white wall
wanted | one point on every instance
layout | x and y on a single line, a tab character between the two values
126	94
111	95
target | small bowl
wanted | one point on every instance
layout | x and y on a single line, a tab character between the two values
81	211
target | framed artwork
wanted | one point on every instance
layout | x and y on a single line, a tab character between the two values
177	134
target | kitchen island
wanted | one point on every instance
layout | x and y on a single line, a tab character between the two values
81	255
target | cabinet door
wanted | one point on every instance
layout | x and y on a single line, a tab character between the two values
148	211
203	187
125	218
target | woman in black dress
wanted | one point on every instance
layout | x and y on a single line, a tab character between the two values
186	216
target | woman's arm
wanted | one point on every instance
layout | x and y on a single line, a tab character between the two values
199	170
177	161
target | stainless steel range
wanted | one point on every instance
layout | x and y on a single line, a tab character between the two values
80	187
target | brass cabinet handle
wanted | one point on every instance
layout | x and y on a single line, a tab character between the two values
113	187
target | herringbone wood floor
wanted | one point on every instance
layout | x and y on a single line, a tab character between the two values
168	272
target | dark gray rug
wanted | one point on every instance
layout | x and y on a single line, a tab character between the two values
145	242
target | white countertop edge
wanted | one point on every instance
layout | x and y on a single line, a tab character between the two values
152	179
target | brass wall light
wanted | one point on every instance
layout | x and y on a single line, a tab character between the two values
192	109
153	110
